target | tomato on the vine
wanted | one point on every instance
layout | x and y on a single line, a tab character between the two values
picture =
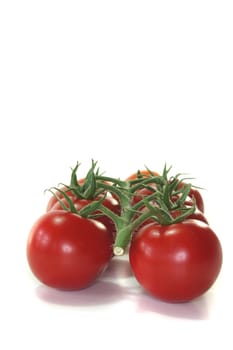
173	252
66	251
109	202
178	262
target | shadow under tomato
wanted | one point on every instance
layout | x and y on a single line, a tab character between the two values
197	309
100	293
119	268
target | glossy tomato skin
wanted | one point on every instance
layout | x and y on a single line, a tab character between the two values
176	263
66	251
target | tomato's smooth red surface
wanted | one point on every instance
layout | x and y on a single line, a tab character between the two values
176	263
66	251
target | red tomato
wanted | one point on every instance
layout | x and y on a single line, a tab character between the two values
109	202
178	262
66	251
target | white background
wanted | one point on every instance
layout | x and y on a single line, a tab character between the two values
127	83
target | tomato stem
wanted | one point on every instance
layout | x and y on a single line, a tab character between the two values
165	196
124	235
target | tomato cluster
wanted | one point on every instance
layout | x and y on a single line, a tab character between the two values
173	252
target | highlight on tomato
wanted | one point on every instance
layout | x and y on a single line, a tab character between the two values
173	251
67	251
177	262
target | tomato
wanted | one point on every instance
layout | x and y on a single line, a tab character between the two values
109	202
145	173
68	252
178	262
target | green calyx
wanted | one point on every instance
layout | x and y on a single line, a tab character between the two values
86	188
165	205
166	202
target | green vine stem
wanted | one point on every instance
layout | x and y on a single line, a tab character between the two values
159	204
166	195
85	188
